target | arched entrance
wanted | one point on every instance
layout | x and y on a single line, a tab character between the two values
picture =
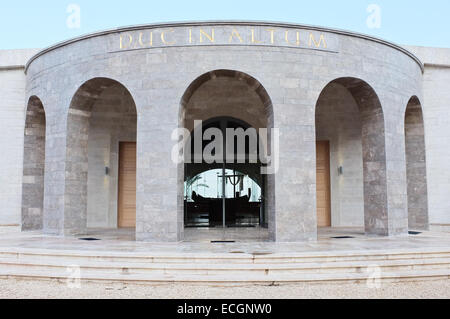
101	157
416	172
234	192
224	194
350	122
33	166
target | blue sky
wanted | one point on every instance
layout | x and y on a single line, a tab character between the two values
38	24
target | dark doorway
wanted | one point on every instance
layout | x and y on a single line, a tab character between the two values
224	193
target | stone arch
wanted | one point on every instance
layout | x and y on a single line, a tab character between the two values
247	82
373	149
33	165
416	173
112	99
232	94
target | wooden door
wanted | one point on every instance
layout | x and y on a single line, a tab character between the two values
323	184
127	185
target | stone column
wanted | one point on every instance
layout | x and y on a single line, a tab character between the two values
33	166
159	217
416	166
65	195
54	180
374	168
76	172
397	202
295	186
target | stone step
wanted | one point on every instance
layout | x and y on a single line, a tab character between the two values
267	279
224	258
88	266
239	267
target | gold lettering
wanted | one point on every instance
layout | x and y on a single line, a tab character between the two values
141	41
272	36
254	41
287	37
210	37
235	33
163	37
317	44
168	37
130	40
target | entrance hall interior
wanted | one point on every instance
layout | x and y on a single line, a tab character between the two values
101	155
225	201
340	184
221	198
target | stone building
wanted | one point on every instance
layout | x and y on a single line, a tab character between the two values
362	132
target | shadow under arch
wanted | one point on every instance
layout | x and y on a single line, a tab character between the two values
33	166
244	98
250	81
116	102
373	151
253	172
416	172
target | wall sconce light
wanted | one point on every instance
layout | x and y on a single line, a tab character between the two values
106	170
340	171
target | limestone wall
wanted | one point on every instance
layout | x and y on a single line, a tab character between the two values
436	112
12	125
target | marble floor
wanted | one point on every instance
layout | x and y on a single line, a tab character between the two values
241	234
248	241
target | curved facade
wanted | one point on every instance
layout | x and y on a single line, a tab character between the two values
311	84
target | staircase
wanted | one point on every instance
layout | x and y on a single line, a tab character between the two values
226	268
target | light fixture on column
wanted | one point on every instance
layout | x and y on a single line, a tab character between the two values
340	171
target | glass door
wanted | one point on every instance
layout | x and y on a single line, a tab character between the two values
222	198
223	194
